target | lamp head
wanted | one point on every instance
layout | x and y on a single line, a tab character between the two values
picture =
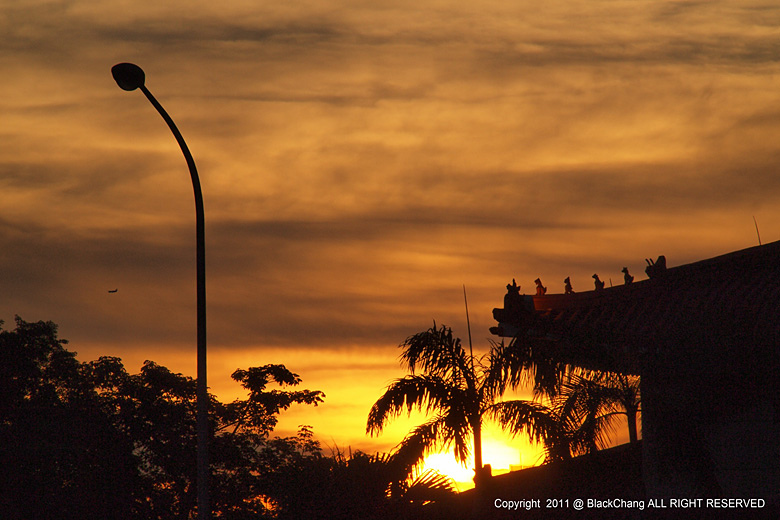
128	76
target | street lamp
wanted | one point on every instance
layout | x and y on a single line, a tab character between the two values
130	77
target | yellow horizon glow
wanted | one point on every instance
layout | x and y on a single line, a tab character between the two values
503	453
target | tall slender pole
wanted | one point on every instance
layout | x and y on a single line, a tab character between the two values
468	325
477	426
130	77
757	233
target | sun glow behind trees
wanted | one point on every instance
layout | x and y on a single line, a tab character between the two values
502	452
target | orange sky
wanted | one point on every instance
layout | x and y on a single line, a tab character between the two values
359	164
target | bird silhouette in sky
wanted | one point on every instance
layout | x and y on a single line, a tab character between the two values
115	290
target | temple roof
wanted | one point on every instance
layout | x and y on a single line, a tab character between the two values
729	299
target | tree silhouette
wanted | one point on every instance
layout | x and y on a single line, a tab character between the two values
458	389
60	454
601	397
355	485
89	440
574	410
567	431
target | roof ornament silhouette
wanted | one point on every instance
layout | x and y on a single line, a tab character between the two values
599	284
541	290
512	299
655	268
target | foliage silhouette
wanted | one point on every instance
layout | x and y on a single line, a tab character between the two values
601	397
356	485
460	391
582	404
61	455
89	440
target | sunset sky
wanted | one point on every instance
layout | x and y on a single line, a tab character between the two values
360	163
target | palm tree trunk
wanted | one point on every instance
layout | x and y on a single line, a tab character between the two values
631	414
476	426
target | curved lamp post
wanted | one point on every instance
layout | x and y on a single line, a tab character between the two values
130	77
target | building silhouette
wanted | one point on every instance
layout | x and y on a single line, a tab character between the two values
705	339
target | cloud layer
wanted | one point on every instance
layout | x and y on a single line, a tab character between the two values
361	163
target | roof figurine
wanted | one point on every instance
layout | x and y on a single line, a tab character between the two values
627	277
657	268
512	299
598	282
567	286
540	289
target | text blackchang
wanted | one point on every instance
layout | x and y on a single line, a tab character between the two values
678	503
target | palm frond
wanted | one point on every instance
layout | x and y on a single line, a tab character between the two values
437	352
594	433
529	362
431	486
531	417
420	392
494	382
602	393
589	404
439	433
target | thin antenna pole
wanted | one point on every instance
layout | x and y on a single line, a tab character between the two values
468	325
477	424
757	233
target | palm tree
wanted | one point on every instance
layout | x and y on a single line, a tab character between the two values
580	418
458	389
583	403
603	396
461	391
